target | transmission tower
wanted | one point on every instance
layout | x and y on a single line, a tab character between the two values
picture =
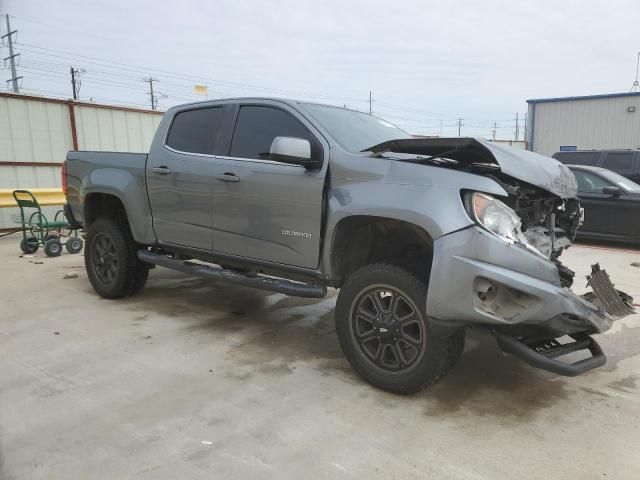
12	56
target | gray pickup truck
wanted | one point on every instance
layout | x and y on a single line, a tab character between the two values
423	236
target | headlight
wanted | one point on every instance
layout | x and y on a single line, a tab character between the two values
498	218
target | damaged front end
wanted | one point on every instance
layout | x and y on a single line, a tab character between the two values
505	271
547	225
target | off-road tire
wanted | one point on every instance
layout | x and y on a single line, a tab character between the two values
129	275
440	352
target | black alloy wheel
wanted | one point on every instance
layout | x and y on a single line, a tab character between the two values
387	327
104	257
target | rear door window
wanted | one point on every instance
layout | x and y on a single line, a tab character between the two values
578	158
619	162
193	131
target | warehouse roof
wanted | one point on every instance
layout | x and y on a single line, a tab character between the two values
586	97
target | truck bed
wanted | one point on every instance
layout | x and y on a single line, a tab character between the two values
122	174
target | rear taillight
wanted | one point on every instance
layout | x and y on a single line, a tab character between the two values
64	177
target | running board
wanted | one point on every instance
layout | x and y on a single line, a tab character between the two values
279	285
543	354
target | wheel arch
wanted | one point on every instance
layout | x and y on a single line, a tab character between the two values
110	203
100	204
359	240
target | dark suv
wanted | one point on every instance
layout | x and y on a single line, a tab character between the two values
623	162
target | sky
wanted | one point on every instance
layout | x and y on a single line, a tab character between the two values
426	63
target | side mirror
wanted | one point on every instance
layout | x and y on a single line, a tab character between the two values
613	191
293	150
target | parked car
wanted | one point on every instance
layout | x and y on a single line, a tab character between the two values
611	205
423	237
623	162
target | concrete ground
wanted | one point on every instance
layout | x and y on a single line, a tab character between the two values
195	379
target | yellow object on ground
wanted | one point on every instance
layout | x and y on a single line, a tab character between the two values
45	196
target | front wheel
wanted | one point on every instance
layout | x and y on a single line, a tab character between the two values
385	334
113	267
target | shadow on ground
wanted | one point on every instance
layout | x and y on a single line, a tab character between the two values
268	333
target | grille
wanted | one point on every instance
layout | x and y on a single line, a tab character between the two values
615	303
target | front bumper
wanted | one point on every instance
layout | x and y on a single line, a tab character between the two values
477	278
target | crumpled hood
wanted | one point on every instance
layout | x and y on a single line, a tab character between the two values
544	172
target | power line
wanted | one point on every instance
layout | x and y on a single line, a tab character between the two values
244	86
107	64
126	76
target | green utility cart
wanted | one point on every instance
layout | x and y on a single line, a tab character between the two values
38	232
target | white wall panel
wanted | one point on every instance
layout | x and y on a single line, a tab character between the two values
115	130
35	129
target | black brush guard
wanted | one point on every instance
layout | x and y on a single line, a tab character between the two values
544	353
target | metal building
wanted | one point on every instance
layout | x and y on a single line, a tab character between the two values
593	122
37	132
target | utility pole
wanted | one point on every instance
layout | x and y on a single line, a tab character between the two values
636	85
75	81
517	127
369	102
459	125
153	98
12	56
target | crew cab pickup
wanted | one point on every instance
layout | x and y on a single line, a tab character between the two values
423	237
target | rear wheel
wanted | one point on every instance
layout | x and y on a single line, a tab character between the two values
385	334
113	267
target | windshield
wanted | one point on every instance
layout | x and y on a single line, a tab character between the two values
354	131
621	182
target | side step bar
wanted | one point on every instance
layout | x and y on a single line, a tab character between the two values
543	354
288	287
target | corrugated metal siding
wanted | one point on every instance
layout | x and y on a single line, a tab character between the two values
39	130
33	131
588	124
114	130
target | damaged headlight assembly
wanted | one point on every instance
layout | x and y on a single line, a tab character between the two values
497	218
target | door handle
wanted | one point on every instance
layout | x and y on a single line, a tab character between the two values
161	170
227	177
